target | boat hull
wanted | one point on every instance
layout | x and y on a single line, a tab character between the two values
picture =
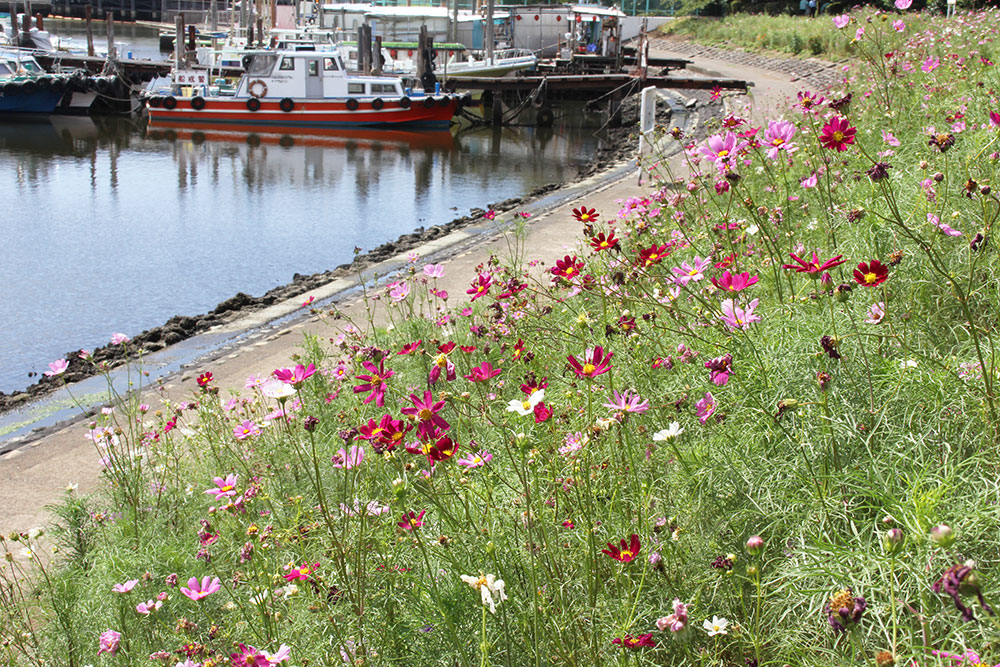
15	100
304	113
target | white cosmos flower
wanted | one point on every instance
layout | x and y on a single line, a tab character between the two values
669	433
717	626
487	585
277	389
527	406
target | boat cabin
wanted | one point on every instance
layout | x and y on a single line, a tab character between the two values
310	75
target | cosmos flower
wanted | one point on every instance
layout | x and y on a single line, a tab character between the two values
734	282
837	134
198	590
717	626
635	643
488	586
813	268
736	317
584	214
57	368
870	274
627	552
669	433
705	408
594	363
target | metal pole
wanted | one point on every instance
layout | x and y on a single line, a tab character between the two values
110	19
490	38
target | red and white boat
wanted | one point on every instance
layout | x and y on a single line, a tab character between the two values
299	89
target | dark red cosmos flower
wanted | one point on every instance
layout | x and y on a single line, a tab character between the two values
531	385
635	643
584	214
815	267
628	551
653	255
961	579
871	273
518	350
385	434
837	134
205	379
601	242
441	449
410	348
567	267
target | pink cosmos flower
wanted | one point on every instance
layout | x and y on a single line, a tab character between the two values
889	138
399	291
930	64
412	520
426	410
57	368
434	270
295	376
735	317
945	228
249	656
810	181
476	460
197	590
126	587
778	137
247	429
898	26
705	407
148	607
627	402
374	382
876	313
225	488
482	372
119	339
994	119
841	21
349	459
734	282
675	622
722	150
903	4
687	273
442	361
303	573
109	641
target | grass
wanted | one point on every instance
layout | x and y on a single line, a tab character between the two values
843	435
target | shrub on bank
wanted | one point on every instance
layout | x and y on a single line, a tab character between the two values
750	419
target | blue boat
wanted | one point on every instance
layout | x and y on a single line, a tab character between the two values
25	88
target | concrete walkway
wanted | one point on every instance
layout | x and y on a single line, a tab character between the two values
37	474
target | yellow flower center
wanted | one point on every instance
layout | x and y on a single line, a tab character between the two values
870	278
588	369
627	554
525	405
777	141
842	599
228	487
425	414
603	244
304	570
693	272
441	360
723	153
838	136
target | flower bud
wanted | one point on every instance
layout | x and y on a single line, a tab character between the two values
938	177
942	535
755	545
842	292
892	540
753	571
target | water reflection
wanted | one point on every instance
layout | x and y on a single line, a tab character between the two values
110	226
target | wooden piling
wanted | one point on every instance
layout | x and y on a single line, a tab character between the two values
178	40
379	60
110	19
421	53
38	22
87	12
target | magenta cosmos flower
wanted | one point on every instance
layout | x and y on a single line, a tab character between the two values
480	286
412	520
295	376
109	641
837	134
637	642
374	382
734	282
482	372
722	150
626	552
814	268
126	587
247	429
426	410
476	460
595	362
705	408
736	317
303	573
197	590
627	402
225	488
349	459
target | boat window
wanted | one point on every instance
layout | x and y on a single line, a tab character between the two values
383	88
4	69
330	64
356	89
287	64
313	68
261	65
31	67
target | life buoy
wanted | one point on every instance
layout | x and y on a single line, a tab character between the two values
253	140
154	101
352	104
404	102
286	104
169	102
103	86
428	102
253	104
198	103
257	88
444	101
377	103
29	87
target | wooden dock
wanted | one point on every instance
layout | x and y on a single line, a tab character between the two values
568	85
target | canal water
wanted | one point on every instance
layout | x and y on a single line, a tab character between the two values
109	226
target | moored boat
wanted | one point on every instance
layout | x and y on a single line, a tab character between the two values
301	89
25	88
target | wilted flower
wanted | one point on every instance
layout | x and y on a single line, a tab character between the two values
487	585
960	580
844	610
635	643
675	622
109	642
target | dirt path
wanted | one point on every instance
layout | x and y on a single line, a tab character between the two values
38	473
